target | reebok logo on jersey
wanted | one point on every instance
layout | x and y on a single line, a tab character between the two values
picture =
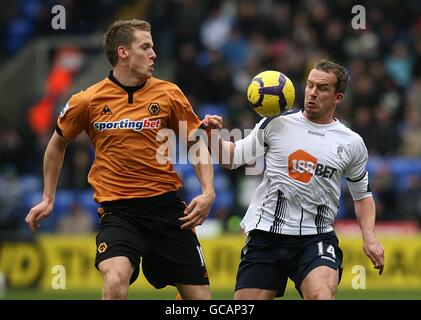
315	133
302	166
127	124
106	111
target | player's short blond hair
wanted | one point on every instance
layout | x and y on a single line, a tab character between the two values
120	33
339	71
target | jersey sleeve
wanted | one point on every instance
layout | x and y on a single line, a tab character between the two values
73	117
251	147
356	173
182	116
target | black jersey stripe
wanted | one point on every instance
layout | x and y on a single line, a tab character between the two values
263	204
301	220
280	212
358	179
58	130
291	111
266	122
269	119
320	220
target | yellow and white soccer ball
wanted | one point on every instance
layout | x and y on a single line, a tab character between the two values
270	93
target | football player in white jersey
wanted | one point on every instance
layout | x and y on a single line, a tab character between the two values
290	219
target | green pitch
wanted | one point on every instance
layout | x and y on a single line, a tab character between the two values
170	293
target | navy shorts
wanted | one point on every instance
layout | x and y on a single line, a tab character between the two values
149	229
269	259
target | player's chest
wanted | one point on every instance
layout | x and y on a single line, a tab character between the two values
308	150
115	115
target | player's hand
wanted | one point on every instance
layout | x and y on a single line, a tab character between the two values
197	211
40	211
212	121
375	251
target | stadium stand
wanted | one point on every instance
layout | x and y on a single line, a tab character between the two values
211	49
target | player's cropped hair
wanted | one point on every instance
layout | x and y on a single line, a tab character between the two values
120	33
340	72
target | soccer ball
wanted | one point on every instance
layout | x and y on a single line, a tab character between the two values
270	93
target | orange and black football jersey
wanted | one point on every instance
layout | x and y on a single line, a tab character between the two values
122	123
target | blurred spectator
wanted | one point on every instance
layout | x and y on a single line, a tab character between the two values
11	151
416	71
411	200
80	163
362	123
216	27
235	50
385	191
411	134
188	75
414	96
67	63
399	64
10	200
385	135
364	90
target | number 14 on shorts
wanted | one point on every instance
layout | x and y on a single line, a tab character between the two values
329	249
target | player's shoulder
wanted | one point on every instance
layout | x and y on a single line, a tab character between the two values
163	84
172	90
349	134
97	87
86	95
292	113
287	115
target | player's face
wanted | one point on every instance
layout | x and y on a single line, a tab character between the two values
141	56
320	99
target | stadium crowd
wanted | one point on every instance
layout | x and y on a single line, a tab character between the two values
212	49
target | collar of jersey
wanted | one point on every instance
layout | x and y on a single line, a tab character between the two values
319	125
128	89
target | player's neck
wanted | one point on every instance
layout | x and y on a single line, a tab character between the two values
127	78
328	119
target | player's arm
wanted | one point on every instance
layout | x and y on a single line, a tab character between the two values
230	155
198	209
365	210
53	162
219	147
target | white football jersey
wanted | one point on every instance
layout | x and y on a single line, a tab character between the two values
304	163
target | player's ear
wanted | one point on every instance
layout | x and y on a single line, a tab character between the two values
122	52
338	97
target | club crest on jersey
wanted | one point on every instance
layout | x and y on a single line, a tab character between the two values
154	108
102	247
302	166
339	152
127	124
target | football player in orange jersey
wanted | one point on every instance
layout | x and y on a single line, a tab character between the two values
142	215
